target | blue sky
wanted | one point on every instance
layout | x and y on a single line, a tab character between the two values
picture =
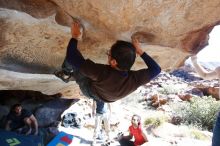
211	53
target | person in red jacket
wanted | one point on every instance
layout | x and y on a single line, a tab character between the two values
136	131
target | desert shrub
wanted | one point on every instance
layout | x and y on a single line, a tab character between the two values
200	111
198	134
170	89
155	121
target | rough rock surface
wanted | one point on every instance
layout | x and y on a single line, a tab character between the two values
34	37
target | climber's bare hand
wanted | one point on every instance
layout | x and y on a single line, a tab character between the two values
75	30
137	46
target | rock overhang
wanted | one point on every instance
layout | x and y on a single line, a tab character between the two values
34	34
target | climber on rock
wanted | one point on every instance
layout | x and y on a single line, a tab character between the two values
107	83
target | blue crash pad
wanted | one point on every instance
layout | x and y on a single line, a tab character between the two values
64	139
13	139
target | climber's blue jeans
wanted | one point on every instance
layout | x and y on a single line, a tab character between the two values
216	132
82	81
66	66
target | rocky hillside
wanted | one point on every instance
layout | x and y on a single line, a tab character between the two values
35	33
154	102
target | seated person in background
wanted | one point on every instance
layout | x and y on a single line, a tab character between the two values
136	131
18	118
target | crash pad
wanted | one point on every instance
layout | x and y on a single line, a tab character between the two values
8	138
64	139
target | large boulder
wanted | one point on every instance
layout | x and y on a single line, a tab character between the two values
50	112
35	33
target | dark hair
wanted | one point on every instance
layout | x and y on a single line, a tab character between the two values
139	118
14	106
124	53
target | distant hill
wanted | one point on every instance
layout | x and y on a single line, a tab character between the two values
188	73
209	65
